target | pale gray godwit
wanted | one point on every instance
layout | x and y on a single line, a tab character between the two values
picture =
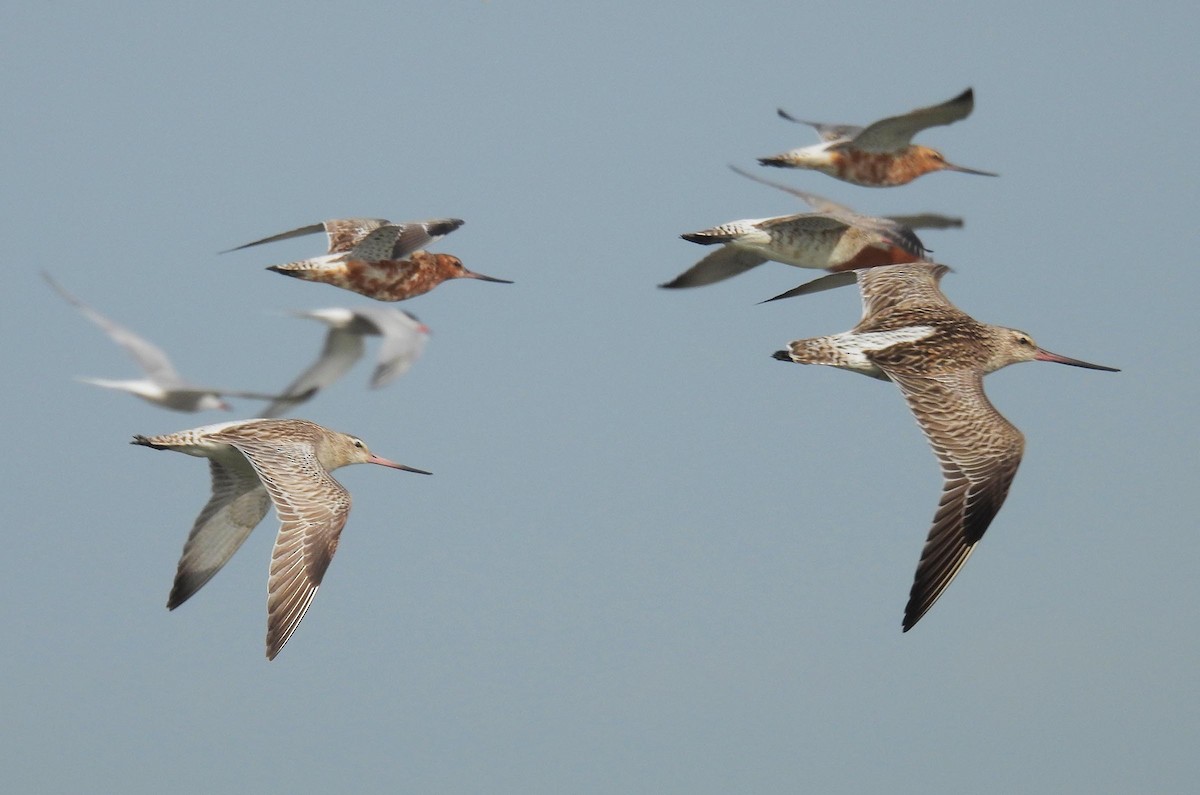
254	463
938	355
806	240
882	153
834	238
162	386
402	341
378	258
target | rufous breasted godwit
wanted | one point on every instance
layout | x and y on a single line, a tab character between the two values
402	341
254	463
389	279
881	154
378	258
938	355
162	386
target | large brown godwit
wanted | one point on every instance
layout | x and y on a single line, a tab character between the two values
254	463
835	238
882	153
378	258
402	341
162	386
938	355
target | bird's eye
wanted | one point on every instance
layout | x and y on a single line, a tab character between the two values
358	443
1025	341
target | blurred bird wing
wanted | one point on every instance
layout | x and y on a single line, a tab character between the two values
149	357
896	132
238	503
724	263
341	350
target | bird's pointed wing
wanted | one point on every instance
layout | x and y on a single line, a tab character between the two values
341	350
300	232
827	282
403	341
312	509
416	235
151	358
889	286
724	263
238	503
817	202
341	233
896	132
828	132
979	451
928	221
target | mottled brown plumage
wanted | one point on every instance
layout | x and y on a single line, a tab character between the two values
938	355
386	280
255	463
881	154
378	258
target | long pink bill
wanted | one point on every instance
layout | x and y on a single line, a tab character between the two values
482	278
951	167
1043	355
383	462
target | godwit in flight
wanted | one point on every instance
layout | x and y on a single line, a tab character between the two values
255	463
938	355
882	153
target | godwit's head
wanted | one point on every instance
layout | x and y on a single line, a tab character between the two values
924	160
450	267
339	449
1011	345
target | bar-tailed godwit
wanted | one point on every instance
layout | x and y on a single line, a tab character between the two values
402	341
389	279
938	355
881	154
831	241
254	463
162	386
377	258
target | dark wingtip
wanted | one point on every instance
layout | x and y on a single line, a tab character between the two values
783	356
770	161
284	271
446	226
142	440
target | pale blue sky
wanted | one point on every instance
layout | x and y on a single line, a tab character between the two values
651	559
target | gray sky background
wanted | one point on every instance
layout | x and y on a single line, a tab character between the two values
651	559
